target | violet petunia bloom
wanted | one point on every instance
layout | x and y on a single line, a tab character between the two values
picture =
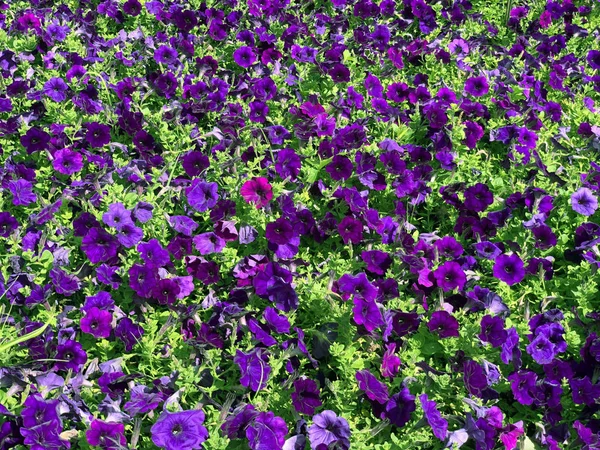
244	56
201	195
153	253
477	86
593	59
367	313
99	246
390	365
22	192
129	333
478	197
67	162
523	385
584	202
70	355
492	330
38	411
258	191
117	216
182	430
305	397
443	324
438	424
400	407
234	425
98	134
8	224
108	435
97	322
374	389
207	243
450	276
56	89
267	431
254	367
328	428
509	268
351	230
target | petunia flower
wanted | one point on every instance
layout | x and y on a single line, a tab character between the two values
305	397
438	424
328	428
67	161
97	322
509	268
584	202
443	324
182	430
56	89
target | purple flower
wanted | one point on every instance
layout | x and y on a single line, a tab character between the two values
244	56
400	407
67	161
99	246
584	202
541	349
492	330
444	324
267	431
509	268
593	59
584	392
153	253
478	197
278	323
510	349
98	134
35	140
328	428
56	89
254	367
97	322
22	192
474	378
477	86
372	387
523	384
438	424
340	168
8	224
351	230
391	362
117	216
288	164
305	397
38	411
201	195
166	55
180	431
367	313
129	333
70	355
339	73
143	279
280	231
207	243
238	421
64	283
450	276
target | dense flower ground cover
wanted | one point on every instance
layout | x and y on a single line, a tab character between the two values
298	224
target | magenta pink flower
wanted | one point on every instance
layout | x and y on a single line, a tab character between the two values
257	191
